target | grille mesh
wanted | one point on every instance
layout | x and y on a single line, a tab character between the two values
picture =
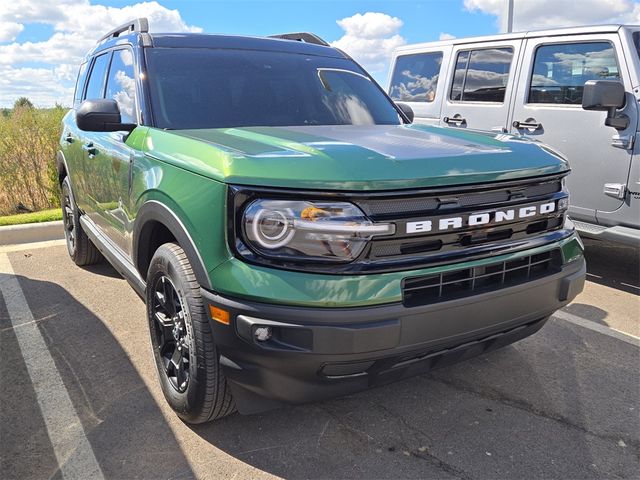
471	281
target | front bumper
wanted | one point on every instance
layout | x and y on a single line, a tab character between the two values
318	353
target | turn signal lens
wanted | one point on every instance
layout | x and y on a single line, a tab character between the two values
219	315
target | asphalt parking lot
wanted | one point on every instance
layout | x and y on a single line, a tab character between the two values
564	403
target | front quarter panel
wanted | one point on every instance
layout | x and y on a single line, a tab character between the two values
198	204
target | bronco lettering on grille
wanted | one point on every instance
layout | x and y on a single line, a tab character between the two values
481	218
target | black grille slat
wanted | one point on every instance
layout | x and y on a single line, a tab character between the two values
466	282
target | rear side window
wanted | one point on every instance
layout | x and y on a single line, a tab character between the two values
121	84
560	71
82	76
415	77
482	75
95	86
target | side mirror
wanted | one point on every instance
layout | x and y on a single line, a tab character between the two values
101	115
407	110
607	96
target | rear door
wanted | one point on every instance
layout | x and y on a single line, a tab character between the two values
480	84
548	108
416	79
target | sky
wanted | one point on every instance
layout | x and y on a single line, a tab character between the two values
42	42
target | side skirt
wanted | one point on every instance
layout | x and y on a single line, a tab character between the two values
114	255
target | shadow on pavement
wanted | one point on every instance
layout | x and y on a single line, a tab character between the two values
123	423
539	409
613	265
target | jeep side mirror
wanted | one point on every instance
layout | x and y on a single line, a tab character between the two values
407	110
101	115
608	96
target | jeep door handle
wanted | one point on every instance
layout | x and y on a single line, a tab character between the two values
90	149
455	120
68	138
529	124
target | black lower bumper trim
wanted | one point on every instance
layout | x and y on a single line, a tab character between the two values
318	353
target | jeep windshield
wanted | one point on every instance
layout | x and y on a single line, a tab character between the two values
211	88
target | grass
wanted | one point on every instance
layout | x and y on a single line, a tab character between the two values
34	217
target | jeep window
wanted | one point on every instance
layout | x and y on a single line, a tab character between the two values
206	88
482	75
560	71
95	86
82	76
415	77
121	85
636	42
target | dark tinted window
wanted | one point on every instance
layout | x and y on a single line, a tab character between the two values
560	71
82	76
482	75
121	84
636	42
415	77
206	88
95	87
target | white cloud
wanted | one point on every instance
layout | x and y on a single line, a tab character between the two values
77	25
370	38
446	36
9	31
529	15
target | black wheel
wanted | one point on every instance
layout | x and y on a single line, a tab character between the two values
183	347
81	250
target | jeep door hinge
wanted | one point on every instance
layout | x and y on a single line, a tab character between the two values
623	141
615	190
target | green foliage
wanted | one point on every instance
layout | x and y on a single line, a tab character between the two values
34	217
28	142
23	102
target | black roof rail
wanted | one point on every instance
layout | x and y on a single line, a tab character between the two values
138	25
305	37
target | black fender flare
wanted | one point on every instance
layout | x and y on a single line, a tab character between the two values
61	165
155	211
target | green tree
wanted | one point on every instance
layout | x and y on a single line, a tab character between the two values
23	102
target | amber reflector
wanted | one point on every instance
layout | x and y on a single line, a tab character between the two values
219	315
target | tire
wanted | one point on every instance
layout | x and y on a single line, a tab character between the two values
184	350
81	250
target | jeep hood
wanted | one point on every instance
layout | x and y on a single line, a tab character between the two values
348	157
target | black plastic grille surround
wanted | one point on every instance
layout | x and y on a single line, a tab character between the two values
465	282
404	251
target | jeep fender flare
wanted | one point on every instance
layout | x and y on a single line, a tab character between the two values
154	211
61	165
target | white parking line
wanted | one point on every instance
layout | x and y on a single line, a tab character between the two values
571	318
72	449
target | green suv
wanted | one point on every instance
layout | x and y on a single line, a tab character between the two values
293	235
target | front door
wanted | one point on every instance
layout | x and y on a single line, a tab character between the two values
548	108
480	85
111	156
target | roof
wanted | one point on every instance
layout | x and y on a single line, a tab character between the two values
517	35
200	40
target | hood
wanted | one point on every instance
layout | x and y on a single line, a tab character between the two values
377	157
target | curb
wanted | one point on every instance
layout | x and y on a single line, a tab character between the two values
31	232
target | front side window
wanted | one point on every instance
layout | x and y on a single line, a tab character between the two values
482	75
636	42
208	88
415	77
560	71
121	84
95	86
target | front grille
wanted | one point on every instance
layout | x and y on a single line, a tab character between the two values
465	282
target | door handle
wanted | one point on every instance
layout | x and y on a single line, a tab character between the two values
457	120
90	149
68	138
530	124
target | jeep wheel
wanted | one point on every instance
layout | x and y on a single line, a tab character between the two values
183	347
81	250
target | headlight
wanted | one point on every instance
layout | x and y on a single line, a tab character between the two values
304	230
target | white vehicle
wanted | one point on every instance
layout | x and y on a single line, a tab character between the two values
532	84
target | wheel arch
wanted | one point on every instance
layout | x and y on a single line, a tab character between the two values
61	166
153	223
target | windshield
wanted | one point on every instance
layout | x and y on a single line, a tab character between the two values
206	88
